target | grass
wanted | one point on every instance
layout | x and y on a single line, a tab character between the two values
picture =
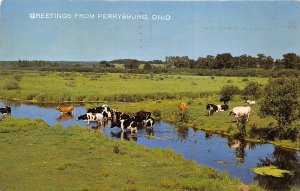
35	156
58	87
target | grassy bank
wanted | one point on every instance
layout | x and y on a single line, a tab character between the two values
34	156
196	117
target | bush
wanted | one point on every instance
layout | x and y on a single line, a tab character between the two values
12	85
252	90
157	113
18	77
229	90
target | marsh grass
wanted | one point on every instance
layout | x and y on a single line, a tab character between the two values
113	87
35	156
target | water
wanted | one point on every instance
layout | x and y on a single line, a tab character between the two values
233	156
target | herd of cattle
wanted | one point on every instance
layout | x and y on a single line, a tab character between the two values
237	112
141	119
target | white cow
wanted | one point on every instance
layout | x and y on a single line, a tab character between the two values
238	112
250	102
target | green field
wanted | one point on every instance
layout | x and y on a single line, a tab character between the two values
34	156
58	87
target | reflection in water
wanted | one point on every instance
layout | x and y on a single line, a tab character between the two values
282	159
65	117
208	135
125	135
182	133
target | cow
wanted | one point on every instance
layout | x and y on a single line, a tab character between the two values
250	102
148	123
6	110
121	115
222	107
91	117
211	108
183	107
142	115
225	99
238	112
65	109
99	109
128	124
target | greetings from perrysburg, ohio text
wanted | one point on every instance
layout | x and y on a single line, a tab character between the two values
104	16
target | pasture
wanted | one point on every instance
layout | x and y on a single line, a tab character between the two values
60	87
35	156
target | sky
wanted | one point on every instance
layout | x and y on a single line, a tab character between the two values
171	28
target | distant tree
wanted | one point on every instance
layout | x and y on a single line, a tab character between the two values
291	61
224	60
267	63
178	61
106	64
147	66
281	101
205	63
132	64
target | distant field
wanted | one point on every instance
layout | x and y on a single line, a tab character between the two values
56	86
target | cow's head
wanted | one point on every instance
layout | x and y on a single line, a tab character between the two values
231	113
82	117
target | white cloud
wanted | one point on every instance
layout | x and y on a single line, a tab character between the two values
0	2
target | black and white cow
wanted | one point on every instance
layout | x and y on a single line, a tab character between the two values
129	124
225	99
148	123
6	110
104	109
92	117
222	107
210	109
142	115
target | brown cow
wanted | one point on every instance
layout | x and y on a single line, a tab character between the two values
65	109
183	107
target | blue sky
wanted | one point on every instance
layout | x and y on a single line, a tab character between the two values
195	29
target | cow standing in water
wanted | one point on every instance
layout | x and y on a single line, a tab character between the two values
92	117
65	109
6	110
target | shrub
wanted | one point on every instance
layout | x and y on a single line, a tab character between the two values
11	85
252	90
279	94
229	90
157	113
18	77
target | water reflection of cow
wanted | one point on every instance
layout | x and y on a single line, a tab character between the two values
65	117
239	146
125	135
